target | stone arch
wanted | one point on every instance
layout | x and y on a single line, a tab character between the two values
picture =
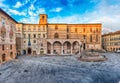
57	47
48	47
75	47
3	58
66	47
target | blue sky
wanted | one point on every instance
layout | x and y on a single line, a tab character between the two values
106	12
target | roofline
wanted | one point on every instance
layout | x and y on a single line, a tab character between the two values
1	10
60	24
112	33
77	23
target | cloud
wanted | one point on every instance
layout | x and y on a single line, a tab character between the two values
41	10
36	13
33	16
15	12
109	22
18	4
56	9
105	13
31	19
32	7
2	4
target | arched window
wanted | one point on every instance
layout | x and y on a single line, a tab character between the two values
75	29
67	36
83	29
3	32
90	29
96	38
3	48
56	27
11	34
96	29
84	36
11	54
3	57
56	35
43	17
67	29
90	38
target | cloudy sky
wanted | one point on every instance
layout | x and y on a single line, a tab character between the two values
106	12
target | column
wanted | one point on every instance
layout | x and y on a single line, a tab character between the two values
51	48
62	50
71	49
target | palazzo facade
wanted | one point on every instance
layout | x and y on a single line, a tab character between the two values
60	39
111	41
7	37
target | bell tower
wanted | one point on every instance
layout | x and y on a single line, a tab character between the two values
43	19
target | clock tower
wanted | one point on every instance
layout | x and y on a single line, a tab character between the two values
43	19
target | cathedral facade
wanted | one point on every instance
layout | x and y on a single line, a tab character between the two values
61	39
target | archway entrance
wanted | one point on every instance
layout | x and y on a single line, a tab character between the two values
66	48
76	47
24	52
57	47
11	54
3	57
29	51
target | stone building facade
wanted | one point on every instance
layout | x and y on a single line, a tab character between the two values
111	41
63	39
31	38
7	37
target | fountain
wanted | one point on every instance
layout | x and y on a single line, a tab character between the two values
92	56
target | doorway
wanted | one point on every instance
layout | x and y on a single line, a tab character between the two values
11	54
29	51
24	52
3	57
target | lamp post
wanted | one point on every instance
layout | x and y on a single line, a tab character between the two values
84	41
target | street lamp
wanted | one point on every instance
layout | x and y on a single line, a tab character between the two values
84	41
